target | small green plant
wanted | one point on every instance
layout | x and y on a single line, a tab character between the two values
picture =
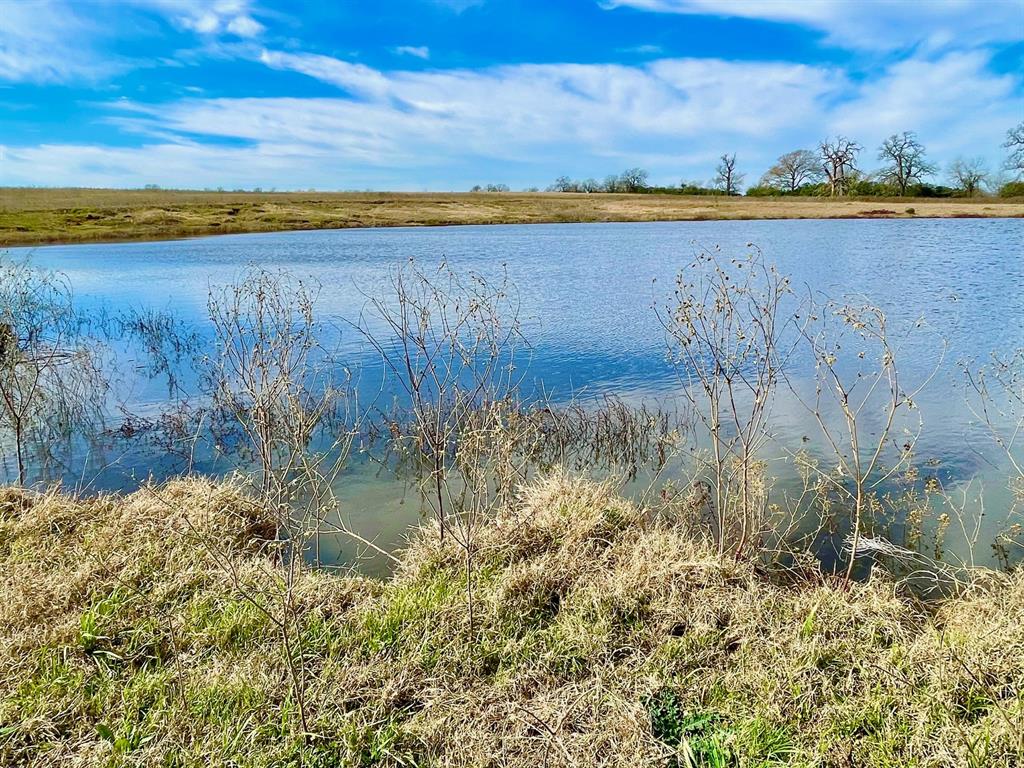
697	737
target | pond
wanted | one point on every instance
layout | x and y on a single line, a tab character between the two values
586	293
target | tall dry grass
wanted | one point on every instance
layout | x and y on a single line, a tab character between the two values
603	634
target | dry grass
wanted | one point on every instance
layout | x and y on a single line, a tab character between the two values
603	636
29	216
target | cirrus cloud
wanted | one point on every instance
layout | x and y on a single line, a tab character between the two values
879	24
527	123
54	41
419	51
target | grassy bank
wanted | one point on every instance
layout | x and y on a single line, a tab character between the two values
134	633
29	216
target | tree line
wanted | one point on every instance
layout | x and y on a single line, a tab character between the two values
832	169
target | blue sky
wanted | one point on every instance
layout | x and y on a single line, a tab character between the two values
444	94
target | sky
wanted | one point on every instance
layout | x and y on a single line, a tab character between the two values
445	94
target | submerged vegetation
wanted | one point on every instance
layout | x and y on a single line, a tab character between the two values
536	616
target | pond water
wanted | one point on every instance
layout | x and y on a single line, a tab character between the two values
586	292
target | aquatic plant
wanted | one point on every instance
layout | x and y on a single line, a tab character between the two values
52	378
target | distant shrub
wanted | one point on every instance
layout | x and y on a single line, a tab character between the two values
932	190
814	190
765	191
804	190
1012	189
694	189
867	188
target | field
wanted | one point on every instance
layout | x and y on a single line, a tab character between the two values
29	216
145	630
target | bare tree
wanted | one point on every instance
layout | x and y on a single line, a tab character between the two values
968	174
906	164
633	179
860	402
283	400
727	178
450	345
52	382
725	331
839	163
995	395
265	382
563	184
792	170
1015	144
998	403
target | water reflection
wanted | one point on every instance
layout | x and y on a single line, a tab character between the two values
586	293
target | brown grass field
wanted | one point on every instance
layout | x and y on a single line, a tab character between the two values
30	216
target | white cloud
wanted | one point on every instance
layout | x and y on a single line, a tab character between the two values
171	164
356	78
526	124
208	18
244	26
203	23
60	41
43	42
955	105
513	112
868	24
419	51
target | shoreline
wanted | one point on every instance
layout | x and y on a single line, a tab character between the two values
30	217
